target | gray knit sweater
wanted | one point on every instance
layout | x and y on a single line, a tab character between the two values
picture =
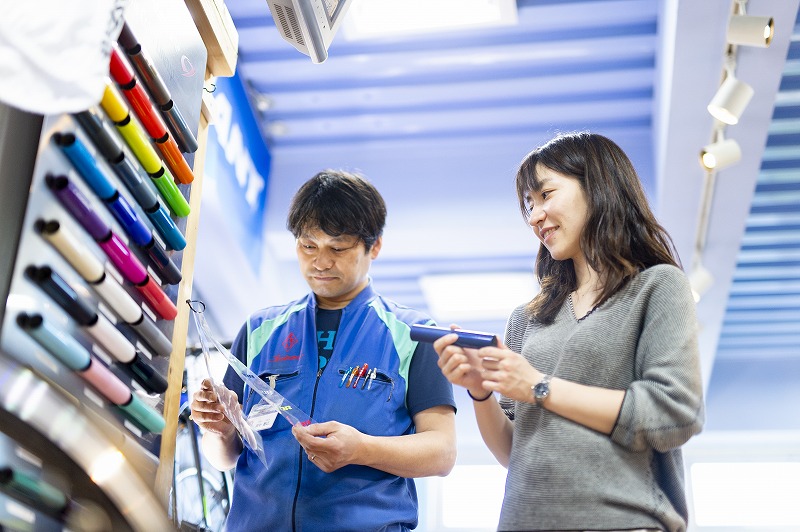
564	476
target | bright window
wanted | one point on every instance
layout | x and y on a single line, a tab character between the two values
746	493
472	496
379	18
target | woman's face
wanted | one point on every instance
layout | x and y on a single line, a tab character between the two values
558	213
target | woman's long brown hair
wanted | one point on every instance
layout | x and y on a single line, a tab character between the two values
621	236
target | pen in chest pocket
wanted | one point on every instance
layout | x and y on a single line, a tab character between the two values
346	374
361	373
370	378
353	375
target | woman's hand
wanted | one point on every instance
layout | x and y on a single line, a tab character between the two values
461	366
507	372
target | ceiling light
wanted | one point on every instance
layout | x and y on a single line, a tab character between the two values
387	18
720	154
277	129
263	102
454	298
750	30
730	100
700	280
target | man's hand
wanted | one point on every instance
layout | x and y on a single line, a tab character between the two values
329	445
209	413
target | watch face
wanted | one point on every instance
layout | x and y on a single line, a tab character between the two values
541	390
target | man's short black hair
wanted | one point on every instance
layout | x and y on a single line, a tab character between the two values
339	203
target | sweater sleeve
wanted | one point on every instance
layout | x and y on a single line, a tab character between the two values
663	407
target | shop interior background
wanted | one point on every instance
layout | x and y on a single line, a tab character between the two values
439	120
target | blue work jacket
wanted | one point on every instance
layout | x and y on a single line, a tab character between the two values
280	345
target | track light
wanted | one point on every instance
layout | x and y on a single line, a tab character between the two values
750	30
700	281
730	100
720	154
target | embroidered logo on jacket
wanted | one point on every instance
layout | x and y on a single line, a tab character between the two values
290	342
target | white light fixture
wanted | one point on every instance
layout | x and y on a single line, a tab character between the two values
749	30
263	102
700	280
720	154
454	298
277	129
730	100
388	18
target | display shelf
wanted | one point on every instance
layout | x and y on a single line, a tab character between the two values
67	379
87	466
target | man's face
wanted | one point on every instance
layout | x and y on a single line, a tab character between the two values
335	267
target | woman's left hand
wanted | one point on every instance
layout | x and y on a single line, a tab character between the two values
508	373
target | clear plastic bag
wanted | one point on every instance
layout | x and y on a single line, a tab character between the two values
230	405
271	400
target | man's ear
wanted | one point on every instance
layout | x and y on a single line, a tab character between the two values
376	248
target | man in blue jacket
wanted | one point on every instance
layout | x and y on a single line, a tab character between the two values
383	412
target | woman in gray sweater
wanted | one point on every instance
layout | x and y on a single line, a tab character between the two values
599	374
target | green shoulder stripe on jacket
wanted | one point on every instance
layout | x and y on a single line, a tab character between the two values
401	336
258	338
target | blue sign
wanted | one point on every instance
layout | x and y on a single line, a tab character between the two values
238	162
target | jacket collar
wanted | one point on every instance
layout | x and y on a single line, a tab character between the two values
361	299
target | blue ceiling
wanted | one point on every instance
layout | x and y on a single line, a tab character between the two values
440	122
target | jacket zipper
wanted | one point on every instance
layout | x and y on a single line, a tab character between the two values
300	453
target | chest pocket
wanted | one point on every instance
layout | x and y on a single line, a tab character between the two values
280	382
375	405
374	378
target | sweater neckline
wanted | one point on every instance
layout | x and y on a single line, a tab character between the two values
572	310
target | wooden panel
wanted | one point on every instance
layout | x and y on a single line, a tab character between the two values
164	474
218	33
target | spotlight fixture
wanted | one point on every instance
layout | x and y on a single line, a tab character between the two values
750	30
730	100
263	102
700	281
720	154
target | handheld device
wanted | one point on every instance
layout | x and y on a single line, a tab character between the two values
473	339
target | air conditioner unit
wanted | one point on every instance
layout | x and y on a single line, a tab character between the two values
309	25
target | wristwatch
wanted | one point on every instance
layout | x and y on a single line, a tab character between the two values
541	390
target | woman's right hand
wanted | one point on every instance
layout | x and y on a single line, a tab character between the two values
209	413
461	366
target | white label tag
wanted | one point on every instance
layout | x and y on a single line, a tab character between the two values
262	416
